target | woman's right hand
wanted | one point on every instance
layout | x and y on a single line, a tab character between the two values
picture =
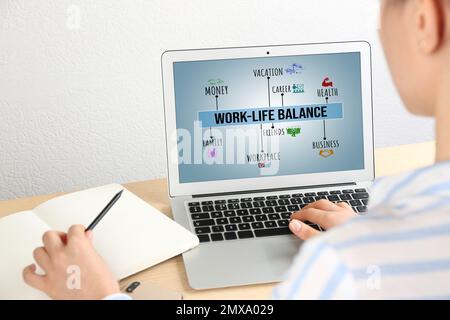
323	213
73	268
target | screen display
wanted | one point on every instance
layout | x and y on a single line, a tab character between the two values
268	116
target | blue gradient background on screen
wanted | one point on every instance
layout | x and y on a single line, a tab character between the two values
247	91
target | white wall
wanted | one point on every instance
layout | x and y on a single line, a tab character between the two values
81	105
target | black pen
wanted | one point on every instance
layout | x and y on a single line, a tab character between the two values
104	211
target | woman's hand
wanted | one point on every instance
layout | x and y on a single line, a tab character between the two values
73	269
324	213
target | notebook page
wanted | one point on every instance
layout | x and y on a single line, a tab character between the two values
131	237
20	234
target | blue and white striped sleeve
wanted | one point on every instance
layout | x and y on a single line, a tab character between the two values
317	273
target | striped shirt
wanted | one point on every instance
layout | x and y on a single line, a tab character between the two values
400	250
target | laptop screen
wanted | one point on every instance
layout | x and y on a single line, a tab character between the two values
268	116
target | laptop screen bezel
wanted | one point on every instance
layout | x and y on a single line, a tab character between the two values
176	188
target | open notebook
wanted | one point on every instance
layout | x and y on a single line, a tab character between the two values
131	237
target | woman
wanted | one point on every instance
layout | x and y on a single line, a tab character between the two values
399	250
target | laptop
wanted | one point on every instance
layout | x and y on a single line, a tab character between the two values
254	134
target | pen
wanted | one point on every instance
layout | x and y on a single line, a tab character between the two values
104	211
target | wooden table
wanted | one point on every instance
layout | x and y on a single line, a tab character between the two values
171	274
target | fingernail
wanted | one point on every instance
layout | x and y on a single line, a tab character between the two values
295	225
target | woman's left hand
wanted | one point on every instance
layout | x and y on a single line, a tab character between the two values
323	213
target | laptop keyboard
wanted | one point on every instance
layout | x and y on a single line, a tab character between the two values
262	216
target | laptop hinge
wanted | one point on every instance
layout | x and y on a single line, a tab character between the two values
272	190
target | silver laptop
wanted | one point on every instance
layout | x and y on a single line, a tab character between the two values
254	134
